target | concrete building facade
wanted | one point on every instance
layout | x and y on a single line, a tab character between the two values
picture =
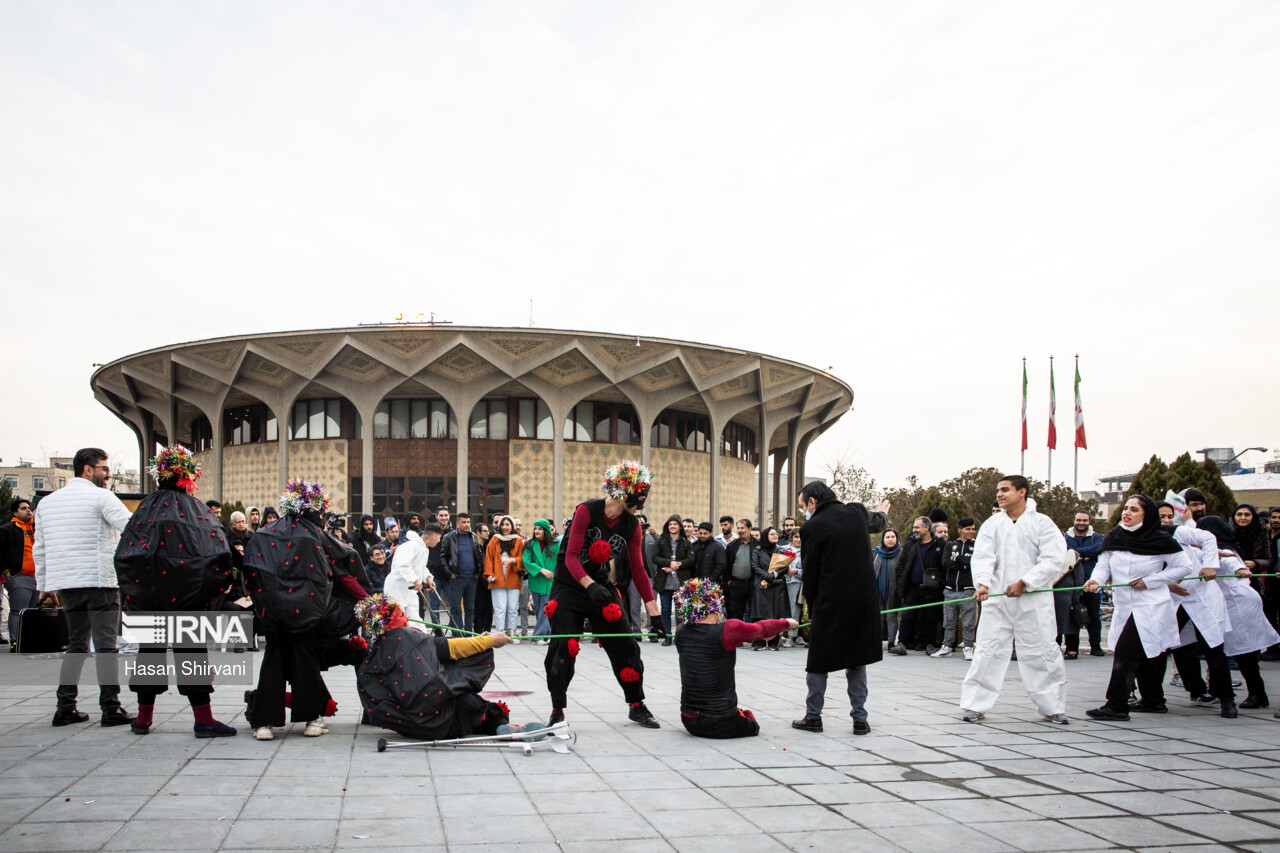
522	421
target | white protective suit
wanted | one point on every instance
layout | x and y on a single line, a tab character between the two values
1250	631
1153	613
408	566
1031	550
1205	606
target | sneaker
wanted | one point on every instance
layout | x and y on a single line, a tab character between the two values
944	652
968	652
972	716
1235	682
1204	701
315	728
263	733
1176	681
899	649
640	714
929	649
515	641
1058	719
808	724
1145	707
666	641
1108	714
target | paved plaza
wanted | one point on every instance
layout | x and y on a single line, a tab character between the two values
921	781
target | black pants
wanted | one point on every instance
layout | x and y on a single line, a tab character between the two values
572	606
1093	603
735	604
483	620
919	628
296	660
1071	642
1131	665
1248	665
151	656
1186	660
91	611
741	724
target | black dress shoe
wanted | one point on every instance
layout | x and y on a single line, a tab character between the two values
557	716
139	730
1229	709
1097	652
118	717
808	724
1148	708
1252	701
861	727
666	641
66	718
1107	713
640	714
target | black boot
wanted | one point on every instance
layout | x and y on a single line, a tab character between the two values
1252	701
557	716
1229	709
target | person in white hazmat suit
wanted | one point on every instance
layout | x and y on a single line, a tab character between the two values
1202	612
1017	550
409	576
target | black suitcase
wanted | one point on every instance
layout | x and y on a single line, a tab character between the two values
41	630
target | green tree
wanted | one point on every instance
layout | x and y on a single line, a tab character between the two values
1061	504
977	488
228	508
1155	478
6	495
902	504
935	498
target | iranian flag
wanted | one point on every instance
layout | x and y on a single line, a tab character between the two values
1053	411
1024	404
1080	442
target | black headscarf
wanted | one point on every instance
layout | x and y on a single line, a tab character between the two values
1148	539
1221	530
1167	528
767	546
1248	535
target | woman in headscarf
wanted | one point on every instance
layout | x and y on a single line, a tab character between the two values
887	558
504	570
672	566
269	515
540	563
1141	560
770	599
1255	544
1250	631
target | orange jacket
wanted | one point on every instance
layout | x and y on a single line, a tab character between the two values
510	578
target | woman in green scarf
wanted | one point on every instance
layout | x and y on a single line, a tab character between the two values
540	562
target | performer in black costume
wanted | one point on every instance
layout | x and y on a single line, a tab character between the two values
602	549
173	556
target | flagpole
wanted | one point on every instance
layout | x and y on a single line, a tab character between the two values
1075	485
1023	471
1051	414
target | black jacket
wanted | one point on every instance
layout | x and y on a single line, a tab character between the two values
759	560
709	561
912	548
11	549
447	551
662	558
955	564
839	584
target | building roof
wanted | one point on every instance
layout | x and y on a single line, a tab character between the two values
1252	482
176	384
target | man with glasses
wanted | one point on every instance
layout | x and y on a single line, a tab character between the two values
77	530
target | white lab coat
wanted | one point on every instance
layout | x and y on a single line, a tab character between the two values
1250	631
1204	603
1152	611
408	566
1031	550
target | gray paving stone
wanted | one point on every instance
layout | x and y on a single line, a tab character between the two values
1065	806
1216	826
193	807
192	835
1133	831
297	834
930	839
1042	836
52	837
782	819
483	830
880	815
288	806
861	840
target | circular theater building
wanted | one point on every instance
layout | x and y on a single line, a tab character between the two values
406	416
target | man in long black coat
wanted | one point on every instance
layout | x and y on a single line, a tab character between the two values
839	585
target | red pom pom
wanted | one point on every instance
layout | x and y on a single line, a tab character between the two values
629	675
358	643
550	608
611	613
331	708
600	551
574	647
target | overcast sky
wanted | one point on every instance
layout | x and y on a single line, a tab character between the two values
915	194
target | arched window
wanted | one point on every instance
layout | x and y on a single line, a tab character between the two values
612	423
414	419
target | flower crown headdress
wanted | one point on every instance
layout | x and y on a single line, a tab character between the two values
627	479
302	496
698	599
176	463
375	612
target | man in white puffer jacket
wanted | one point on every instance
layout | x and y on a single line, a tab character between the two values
1017	550
77	530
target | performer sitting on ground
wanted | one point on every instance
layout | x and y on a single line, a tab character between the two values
708	650
171	557
601	550
423	686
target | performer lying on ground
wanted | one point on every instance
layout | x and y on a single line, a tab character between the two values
707	646
423	686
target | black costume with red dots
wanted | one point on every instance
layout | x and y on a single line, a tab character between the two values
607	551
